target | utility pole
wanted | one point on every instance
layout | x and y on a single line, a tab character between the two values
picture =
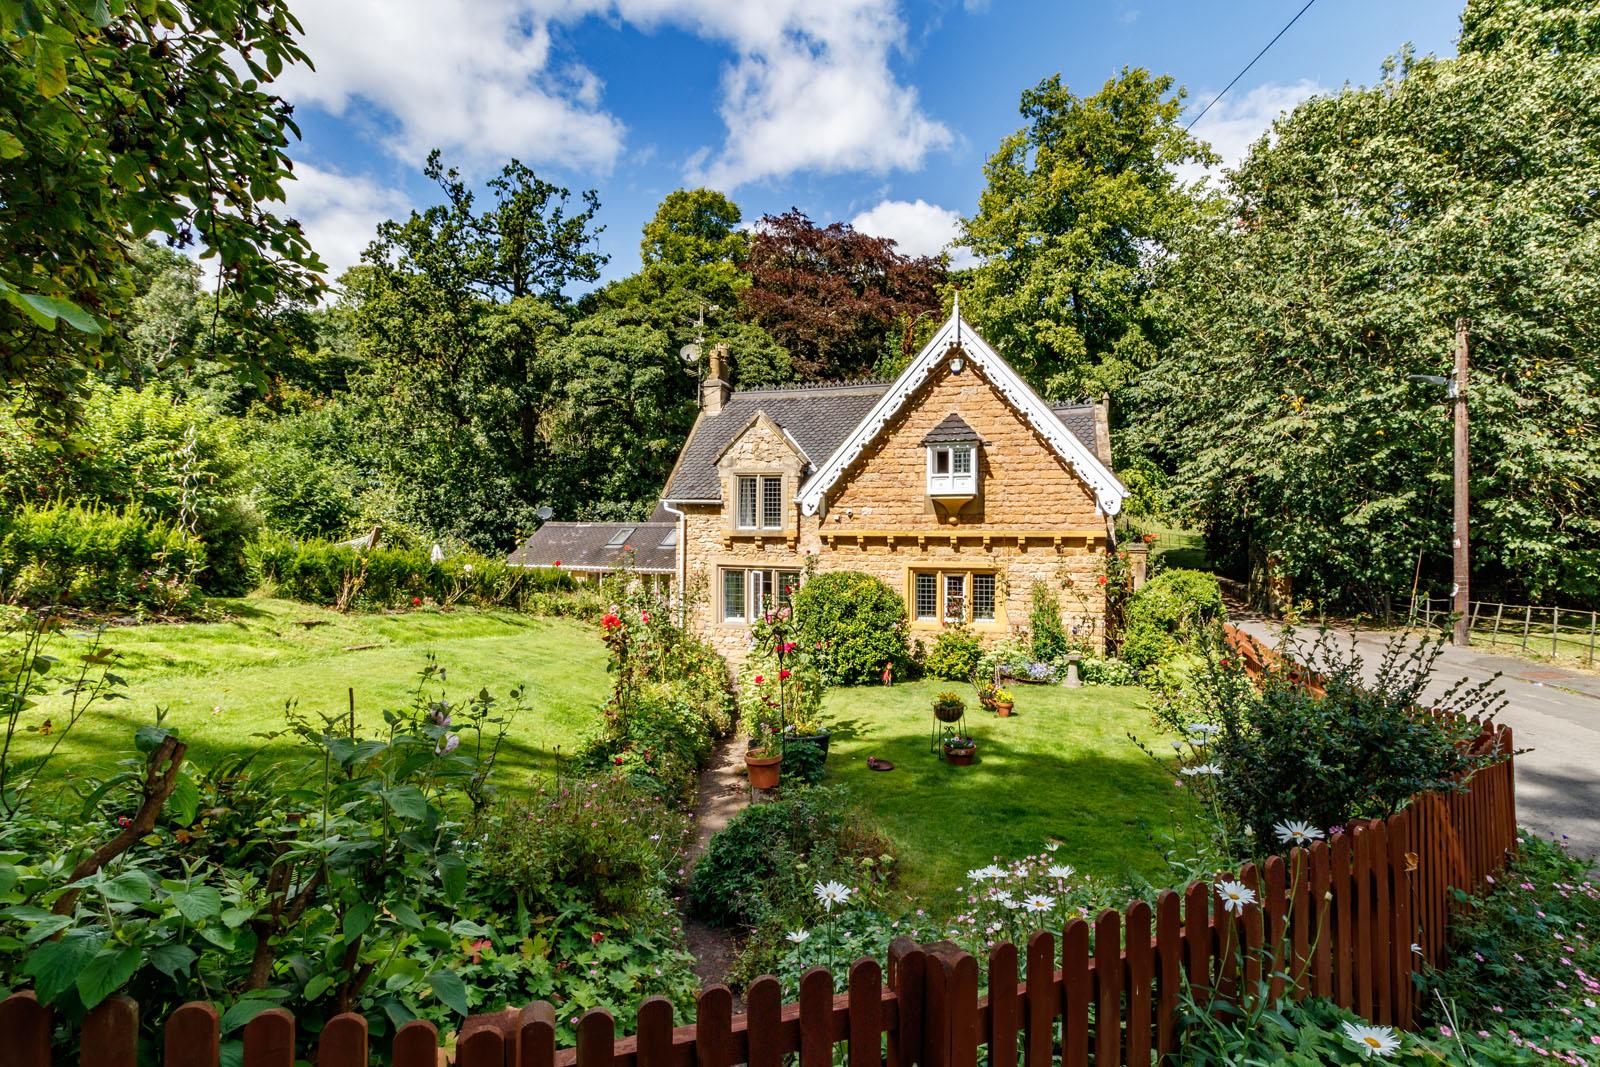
1458	394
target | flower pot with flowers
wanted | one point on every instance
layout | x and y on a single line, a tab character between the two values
959	748
949	708
1003	702
780	698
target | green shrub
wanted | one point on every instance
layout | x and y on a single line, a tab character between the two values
323	572
98	559
600	838
1282	753
1094	671
1178	602
1048	638
1145	645
177	461
766	859
955	654
854	624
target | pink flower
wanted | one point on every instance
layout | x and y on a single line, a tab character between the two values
644	616
475	950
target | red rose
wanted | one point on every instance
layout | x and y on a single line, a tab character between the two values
557	563
416	602
644	616
596	937
759	679
783	674
609	621
1102	579
617	760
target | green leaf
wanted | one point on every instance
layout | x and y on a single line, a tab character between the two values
50	70
405	915
318	986
198	904
243	1011
108	972
170	960
10	146
450	990
48	926
453	873
357	921
148	738
54	965
129	885
407	802
184	802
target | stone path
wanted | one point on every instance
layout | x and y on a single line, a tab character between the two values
1554	711
723	791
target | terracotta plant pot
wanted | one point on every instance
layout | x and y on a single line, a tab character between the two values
763	770
1003	708
960	757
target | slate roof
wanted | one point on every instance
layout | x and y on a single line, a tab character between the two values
952	428
1080	419
586	546
819	418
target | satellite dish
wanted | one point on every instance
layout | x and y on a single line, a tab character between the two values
543	514
690	354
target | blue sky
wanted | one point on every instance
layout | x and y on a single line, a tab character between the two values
877	112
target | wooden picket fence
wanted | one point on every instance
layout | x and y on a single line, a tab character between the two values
1351	919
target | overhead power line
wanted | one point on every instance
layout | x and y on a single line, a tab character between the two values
1248	65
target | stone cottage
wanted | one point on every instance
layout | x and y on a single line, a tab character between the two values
956	484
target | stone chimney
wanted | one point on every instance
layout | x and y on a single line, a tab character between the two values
714	391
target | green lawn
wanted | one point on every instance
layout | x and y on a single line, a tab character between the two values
223	681
1061	768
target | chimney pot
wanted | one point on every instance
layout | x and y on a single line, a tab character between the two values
716	389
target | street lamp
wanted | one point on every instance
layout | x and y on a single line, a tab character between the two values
1456	392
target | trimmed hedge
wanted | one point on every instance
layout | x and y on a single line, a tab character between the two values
336	575
98	559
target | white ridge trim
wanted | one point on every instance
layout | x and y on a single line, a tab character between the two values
1109	492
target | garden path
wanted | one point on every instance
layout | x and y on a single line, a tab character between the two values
723	791
1554	711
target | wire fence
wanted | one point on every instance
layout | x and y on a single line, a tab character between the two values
1563	633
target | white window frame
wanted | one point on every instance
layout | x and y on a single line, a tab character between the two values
952	481
759	585
762	490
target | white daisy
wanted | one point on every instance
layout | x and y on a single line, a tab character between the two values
1373	1040
1235	895
1037	902
1296	832
798	937
1202	729
1201	768
831	893
1060	871
984	874
1051	846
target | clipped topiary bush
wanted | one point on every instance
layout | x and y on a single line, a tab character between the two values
854	624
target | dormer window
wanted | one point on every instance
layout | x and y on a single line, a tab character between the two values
952	448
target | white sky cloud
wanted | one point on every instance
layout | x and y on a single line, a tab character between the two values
1237	122
917	227
340	213
808	86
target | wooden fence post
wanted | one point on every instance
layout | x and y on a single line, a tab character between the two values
1005	1007
763	1006
866	1014
268	1039
713	1029
416	1044
110	1036
26	1024
1043	998
192	1038
1076	992
906	966
343	1042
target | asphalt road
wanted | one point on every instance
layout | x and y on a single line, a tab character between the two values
1554	714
